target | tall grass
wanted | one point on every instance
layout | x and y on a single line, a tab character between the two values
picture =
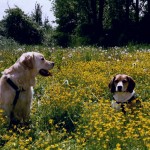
71	109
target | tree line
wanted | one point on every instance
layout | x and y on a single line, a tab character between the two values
81	22
26	29
102	22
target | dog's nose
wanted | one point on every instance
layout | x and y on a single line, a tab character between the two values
53	64
119	88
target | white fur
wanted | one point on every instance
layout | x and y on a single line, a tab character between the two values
123	96
115	105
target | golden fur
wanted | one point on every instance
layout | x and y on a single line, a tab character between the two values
23	74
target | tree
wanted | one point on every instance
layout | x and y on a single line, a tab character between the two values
48	33
101	14
21	28
137	11
102	22
127	5
66	18
91	19
148	3
83	19
37	14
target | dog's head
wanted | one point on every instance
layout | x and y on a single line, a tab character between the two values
122	83
36	62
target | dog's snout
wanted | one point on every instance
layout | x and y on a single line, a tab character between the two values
119	88
51	63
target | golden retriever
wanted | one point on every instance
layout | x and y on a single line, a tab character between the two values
17	82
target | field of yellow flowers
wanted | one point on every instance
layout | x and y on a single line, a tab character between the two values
71	110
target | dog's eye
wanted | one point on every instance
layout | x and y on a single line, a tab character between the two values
116	81
42	58
124	81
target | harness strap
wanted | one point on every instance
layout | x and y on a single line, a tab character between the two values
132	98
128	102
15	87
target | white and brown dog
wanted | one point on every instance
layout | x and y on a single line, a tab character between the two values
122	86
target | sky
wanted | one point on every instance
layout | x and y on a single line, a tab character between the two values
28	6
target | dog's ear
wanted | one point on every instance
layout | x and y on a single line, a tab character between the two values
27	61
131	85
112	85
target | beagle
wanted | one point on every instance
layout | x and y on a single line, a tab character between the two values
122	86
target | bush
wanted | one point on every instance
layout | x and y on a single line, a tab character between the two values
62	39
21	28
7	43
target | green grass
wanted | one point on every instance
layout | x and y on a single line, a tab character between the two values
71	109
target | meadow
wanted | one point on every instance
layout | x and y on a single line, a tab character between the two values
71	110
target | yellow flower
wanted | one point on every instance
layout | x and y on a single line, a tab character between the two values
51	121
1	110
30	139
118	146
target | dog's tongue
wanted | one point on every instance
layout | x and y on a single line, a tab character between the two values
45	73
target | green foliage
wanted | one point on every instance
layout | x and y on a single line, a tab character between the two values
26	29
49	33
49	37
101	22
2	29
7	43
37	14
59	58
78	19
78	41
21	28
62	38
66	16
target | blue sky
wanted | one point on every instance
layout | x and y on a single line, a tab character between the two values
28	6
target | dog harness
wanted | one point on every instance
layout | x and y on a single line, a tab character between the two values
15	87
133	100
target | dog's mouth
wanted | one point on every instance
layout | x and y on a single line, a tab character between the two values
45	72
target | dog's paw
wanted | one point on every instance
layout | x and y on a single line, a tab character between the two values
115	105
